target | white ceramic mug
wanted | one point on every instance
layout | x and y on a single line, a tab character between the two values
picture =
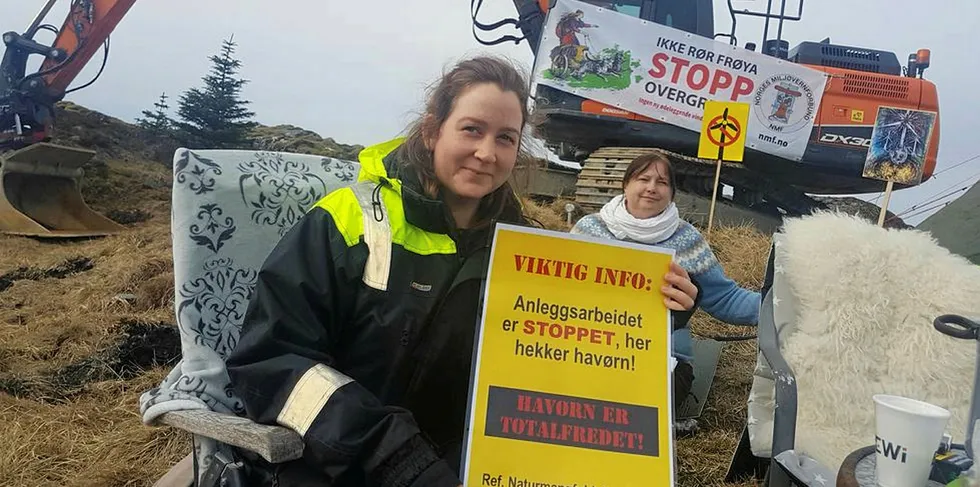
907	434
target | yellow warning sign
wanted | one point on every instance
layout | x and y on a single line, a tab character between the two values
572	377
857	115
723	131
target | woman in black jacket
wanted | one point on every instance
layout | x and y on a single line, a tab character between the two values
359	334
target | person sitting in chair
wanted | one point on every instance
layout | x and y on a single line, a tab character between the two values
360	332
646	213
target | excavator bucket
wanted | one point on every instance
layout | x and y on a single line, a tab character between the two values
40	196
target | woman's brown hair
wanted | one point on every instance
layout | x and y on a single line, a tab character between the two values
641	163
440	102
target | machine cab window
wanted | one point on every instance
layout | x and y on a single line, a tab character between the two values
679	14
628	7
694	16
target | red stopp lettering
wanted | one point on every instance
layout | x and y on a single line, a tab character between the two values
743	86
659	65
568	332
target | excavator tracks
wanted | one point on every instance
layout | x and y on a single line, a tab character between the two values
601	178
602	173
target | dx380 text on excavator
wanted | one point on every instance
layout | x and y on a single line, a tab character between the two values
604	138
39	181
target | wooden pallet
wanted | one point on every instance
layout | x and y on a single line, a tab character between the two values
608	165
611	183
611	167
591	172
601	178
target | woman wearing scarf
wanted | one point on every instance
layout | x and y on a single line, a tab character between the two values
646	213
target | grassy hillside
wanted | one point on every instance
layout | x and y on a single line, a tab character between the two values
957	225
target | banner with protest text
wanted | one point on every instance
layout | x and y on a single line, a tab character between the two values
668	74
571	379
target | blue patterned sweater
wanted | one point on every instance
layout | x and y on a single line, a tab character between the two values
721	297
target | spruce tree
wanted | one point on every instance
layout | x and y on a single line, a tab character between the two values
157	121
216	115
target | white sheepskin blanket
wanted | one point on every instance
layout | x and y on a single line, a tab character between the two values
866	299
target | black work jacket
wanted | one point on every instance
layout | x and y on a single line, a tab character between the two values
375	378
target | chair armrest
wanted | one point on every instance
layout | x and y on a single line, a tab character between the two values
784	416
275	444
804	470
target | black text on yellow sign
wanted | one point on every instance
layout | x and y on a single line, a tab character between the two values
571	382
723	131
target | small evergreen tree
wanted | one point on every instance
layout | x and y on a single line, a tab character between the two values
157	121
216	115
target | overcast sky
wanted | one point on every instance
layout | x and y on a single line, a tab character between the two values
355	70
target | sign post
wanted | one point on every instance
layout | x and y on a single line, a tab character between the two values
722	138
570	381
899	144
884	205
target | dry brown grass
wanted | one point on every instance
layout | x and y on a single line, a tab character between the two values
704	458
96	439
51	322
57	335
550	215
85	430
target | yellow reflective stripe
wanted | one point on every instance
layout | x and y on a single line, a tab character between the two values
420	242
410	237
372	161
308	397
342	206
347	215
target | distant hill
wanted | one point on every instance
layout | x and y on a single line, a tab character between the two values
957	225
290	138
78	126
111	137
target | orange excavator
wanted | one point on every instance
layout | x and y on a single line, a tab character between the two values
603	138
39	181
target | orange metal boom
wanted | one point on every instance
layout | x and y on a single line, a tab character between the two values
86	27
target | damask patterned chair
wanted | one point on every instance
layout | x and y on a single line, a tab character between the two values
229	209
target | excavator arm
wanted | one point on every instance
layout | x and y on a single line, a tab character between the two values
40	191
27	100
531	14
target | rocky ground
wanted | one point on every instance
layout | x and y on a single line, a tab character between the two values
87	325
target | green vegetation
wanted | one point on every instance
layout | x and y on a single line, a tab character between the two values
157	121
590	80
215	117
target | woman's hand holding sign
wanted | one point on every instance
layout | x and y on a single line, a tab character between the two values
679	292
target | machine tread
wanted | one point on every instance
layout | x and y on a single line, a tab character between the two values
600	180
610	163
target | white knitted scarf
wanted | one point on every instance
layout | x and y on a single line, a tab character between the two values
622	224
